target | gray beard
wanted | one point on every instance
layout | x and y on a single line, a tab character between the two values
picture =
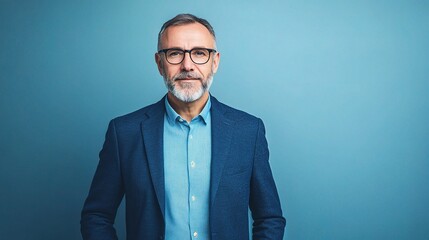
186	93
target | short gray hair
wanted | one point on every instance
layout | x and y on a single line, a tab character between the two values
183	19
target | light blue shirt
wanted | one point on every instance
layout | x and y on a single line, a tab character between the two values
187	158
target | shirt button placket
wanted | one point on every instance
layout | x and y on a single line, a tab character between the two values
191	174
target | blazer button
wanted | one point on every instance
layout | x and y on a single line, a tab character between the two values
161	237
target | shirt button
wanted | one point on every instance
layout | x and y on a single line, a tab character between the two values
192	164
193	198
195	234
190	137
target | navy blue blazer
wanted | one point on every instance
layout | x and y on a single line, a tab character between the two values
131	164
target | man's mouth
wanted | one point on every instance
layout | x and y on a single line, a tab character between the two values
181	79
187	76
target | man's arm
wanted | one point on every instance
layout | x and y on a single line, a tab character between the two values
268	222
105	195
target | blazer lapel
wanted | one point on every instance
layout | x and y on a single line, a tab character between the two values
222	131
153	135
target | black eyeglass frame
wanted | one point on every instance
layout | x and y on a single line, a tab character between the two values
210	50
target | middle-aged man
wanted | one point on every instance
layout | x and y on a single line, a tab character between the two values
189	166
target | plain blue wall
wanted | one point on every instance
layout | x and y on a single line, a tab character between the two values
341	85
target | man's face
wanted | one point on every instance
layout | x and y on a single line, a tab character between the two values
187	81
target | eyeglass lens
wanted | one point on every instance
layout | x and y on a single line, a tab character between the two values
198	56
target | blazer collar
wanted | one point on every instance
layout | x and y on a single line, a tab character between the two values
153	134
222	132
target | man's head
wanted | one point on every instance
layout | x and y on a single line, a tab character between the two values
187	57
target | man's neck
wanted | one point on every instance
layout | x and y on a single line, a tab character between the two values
188	110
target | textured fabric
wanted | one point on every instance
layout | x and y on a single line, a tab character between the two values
187	157
132	163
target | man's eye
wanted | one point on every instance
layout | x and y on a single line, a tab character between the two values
199	53
174	53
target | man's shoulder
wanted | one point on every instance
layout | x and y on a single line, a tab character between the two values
157	108
232	112
142	113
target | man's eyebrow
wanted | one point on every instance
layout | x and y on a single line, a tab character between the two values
174	48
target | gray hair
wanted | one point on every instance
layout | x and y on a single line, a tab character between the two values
183	19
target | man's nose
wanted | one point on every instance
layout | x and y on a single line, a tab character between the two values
187	63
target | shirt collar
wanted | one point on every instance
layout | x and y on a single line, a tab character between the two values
172	115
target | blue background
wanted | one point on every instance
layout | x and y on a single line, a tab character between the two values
342	87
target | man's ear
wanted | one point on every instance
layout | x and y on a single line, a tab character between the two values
159	63
216	61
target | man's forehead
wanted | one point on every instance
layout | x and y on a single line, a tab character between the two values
189	27
193	32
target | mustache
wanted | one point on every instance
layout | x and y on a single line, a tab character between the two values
184	75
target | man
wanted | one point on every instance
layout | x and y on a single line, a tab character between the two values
189	166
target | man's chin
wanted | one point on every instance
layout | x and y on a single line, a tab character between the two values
188	97
188	85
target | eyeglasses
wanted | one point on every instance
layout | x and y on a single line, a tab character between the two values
198	55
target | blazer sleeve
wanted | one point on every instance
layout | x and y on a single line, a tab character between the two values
106	192
268	222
